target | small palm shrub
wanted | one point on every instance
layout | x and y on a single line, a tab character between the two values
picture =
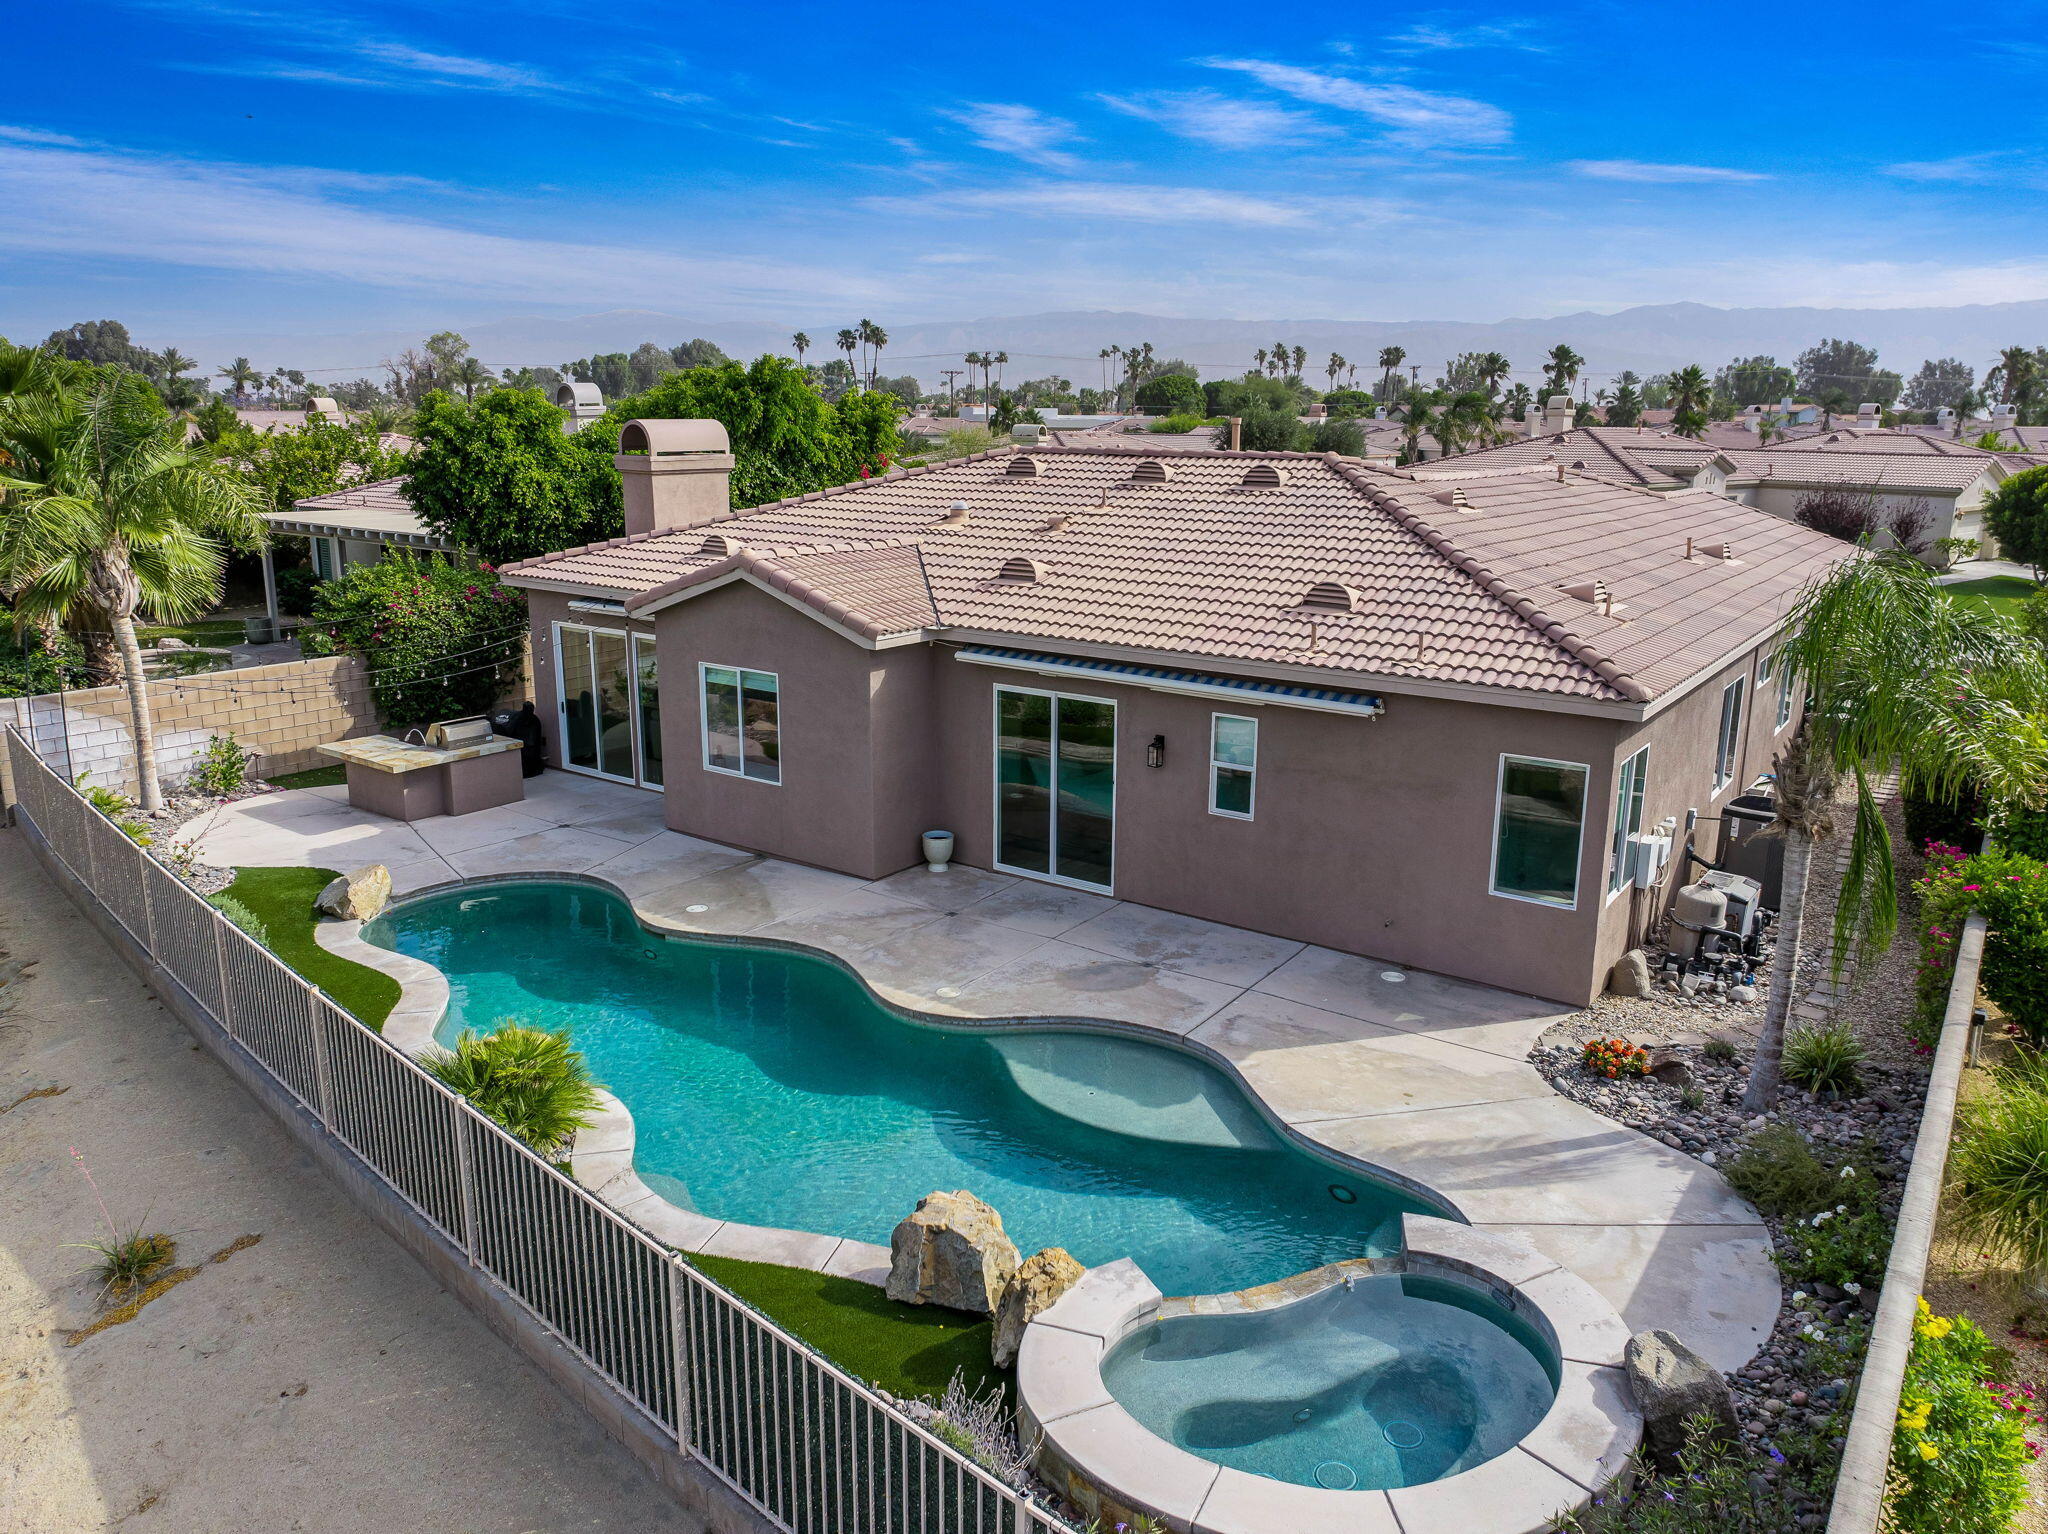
1998	1168
1961	1440
529	1081
116	807
1614	1058
1720	1051
222	768
1825	1058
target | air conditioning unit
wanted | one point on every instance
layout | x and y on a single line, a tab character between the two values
1647	856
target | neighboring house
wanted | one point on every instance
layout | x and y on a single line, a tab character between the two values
1416	720
1948	486
348	528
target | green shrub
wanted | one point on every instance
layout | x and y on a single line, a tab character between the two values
126	1263
2024	832
441	640
1998	1168
115	807
529	1081
222	768
297	587
2012	892
1953	821
1720	1051
239	914
1179	423
1846	1245
1714	1492
31	663
1961	1442
1824	1058
1777	1171
1837	1229
1170	394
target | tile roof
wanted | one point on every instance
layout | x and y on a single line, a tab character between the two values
1606	452
380	509
1199	565
1631	455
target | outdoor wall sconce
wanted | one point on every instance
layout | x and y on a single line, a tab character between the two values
1155	754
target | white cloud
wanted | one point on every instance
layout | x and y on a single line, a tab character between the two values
1652	172
1968	168
1425	37
1419	117
1013	129
39	136
1112	201
1228	122
283	221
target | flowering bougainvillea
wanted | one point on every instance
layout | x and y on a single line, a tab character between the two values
1615	1058
2012	892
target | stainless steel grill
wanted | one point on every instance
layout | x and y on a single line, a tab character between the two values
452	734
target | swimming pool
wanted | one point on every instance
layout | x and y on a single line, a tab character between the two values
769	1088
1393	1379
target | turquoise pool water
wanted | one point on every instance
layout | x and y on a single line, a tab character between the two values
1394	1381
767	1087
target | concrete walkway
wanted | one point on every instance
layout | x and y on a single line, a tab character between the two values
1422	1075
315	1380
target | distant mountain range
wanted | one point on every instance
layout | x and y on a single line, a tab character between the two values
1648	339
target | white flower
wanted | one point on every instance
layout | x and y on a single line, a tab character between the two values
1841	1209
1848	1171
1852	1289
1798	1296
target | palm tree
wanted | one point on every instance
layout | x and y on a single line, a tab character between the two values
847	341
1419	413
1491	370
173	362
1332	368
240	374
800	343
1300	359
108	513
1562	370
1518	400
2013	376
471	375
1968	402
529	1081
1690	391
1391	357
1104	356
1897	676
999	359
875	336
1262	354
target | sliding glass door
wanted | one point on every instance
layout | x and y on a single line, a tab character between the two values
1055	786
609	705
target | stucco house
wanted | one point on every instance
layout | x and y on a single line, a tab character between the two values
1433	722
1947	484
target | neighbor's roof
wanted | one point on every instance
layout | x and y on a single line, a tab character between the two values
1432	581
379	511
1605	452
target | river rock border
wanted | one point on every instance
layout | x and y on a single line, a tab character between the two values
1094	1453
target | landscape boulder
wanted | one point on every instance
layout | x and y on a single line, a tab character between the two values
1031	1291
357	896
950	1251
1673	1385
1667	1064
1631	974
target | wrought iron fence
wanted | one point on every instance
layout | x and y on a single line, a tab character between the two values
806	1444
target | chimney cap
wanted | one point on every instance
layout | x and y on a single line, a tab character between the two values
573	393
660	438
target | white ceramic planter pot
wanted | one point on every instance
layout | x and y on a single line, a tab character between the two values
938	850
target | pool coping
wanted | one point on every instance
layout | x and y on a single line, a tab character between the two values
1089	1448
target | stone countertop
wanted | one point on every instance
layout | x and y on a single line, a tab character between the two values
381	753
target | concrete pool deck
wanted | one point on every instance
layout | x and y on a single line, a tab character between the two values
1417	1074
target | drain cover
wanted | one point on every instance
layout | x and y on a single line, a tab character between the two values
1403	1435
1393	975
1335	1475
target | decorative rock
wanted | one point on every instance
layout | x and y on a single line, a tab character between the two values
1631	974
950	1251
1672	1383
1742	993
1032	1289
357	896
1668	1066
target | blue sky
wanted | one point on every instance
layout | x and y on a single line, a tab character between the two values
198	165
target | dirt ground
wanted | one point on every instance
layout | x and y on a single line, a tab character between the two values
312	1379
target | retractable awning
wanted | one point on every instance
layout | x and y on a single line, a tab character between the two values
1194	683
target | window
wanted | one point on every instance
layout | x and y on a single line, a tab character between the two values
1784	697
1539	815
742	723
1233	760
1628	816
1728	748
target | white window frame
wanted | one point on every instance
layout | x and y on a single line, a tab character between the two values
995	768
1728	735
704	721
1635	770
1784	715
1251	773
636	746
1500	783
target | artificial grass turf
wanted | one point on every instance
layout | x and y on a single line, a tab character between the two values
205	631
282	899
2001	593
909	1350
331	776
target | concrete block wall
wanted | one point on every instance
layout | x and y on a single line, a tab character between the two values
280	713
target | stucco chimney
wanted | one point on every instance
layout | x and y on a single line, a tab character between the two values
580	404
674	474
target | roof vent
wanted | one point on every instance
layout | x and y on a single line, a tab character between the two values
718	546
1333	597
956	516
1459	499
1056	523
1727	552
1018	568
1594	590
1264	476
1578	463
1151	472
1022	467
